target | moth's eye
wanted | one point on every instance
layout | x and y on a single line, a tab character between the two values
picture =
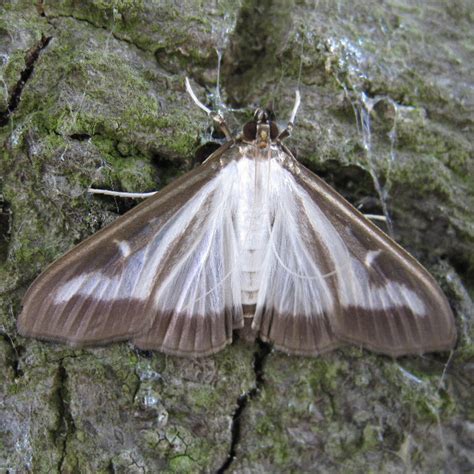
274	132
250	131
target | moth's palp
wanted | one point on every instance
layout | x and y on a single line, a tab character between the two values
375	217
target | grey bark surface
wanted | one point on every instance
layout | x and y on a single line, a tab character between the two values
92	93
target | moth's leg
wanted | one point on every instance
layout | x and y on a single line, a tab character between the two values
287	132
121	194
221	123
217	118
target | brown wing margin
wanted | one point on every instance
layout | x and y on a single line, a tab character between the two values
397	329
84	320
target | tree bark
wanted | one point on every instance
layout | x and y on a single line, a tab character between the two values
92	93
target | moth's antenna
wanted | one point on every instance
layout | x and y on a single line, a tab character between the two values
218	82
287	132
218	118
295	107
195	99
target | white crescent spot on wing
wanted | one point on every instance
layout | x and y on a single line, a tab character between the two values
371	256
124	248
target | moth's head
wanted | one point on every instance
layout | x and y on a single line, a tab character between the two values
262	130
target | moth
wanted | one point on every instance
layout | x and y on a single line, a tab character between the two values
249	235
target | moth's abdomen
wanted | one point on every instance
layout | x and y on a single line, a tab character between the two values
250	279
253	229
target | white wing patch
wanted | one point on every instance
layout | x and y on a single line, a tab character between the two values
356	290
295	283
292	281
121	285
85	284
206	277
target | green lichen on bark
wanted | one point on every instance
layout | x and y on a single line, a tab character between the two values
105	105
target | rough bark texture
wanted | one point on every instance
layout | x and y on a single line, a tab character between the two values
92	93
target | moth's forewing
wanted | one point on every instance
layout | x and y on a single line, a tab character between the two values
105	289
383	299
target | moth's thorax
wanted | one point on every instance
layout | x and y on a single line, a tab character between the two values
263	135
255	152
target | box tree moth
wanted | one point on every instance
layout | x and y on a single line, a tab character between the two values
252	234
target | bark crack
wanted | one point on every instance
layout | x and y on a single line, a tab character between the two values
254	46
89	22
13	357
5	228
65	425
31	58
40	8
259	360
